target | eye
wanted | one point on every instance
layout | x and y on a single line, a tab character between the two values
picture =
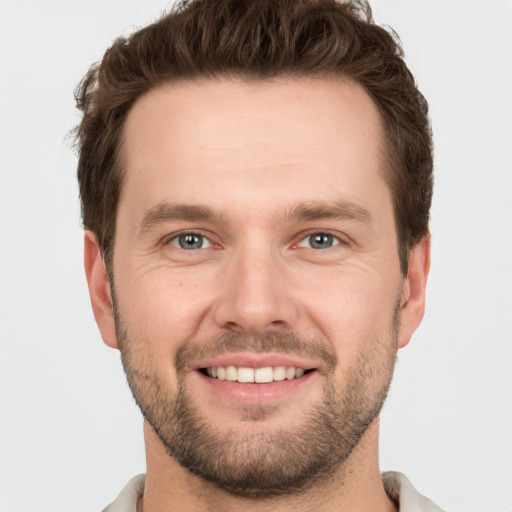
190	241
319	241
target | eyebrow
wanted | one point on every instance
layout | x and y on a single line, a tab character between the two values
168	212
338	210
302	212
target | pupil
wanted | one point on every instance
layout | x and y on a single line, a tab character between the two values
321	241
191	242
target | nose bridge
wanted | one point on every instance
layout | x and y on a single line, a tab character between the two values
255	296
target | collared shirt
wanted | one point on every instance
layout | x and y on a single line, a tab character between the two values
397	487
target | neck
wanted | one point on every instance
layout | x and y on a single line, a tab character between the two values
356	485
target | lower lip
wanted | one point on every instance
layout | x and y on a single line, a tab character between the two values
253	392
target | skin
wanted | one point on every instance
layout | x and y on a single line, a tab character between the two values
253	153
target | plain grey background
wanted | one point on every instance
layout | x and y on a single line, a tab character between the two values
70	435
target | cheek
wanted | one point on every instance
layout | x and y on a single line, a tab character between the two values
352	309
163	306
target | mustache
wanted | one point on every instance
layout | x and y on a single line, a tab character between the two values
273	341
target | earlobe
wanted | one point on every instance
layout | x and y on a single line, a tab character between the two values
413	290
99	289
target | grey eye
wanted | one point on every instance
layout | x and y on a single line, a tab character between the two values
190	241
319	241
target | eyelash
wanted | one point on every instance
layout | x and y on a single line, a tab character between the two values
176	238
336	240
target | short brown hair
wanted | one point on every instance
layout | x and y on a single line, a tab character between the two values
256	39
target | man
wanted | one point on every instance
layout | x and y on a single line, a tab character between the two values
256	180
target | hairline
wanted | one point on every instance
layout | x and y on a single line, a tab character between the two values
388	160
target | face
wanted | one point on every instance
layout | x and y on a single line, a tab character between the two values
256	282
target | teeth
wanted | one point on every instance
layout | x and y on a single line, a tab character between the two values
245	375
262	375
279	373
258	375
231	373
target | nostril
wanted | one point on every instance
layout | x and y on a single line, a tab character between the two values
234	327
278	323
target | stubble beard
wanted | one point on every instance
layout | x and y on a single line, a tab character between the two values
254	462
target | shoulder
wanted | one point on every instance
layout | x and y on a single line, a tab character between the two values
129	496
404	495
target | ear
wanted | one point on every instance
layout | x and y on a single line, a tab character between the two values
413	290
99	289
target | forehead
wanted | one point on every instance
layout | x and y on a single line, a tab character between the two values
282	137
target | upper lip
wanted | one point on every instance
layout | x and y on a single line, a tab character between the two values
256	360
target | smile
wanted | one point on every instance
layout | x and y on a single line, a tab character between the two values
262	375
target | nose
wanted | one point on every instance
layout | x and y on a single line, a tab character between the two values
255	295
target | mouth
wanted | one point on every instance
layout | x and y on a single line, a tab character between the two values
247	375
255	378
